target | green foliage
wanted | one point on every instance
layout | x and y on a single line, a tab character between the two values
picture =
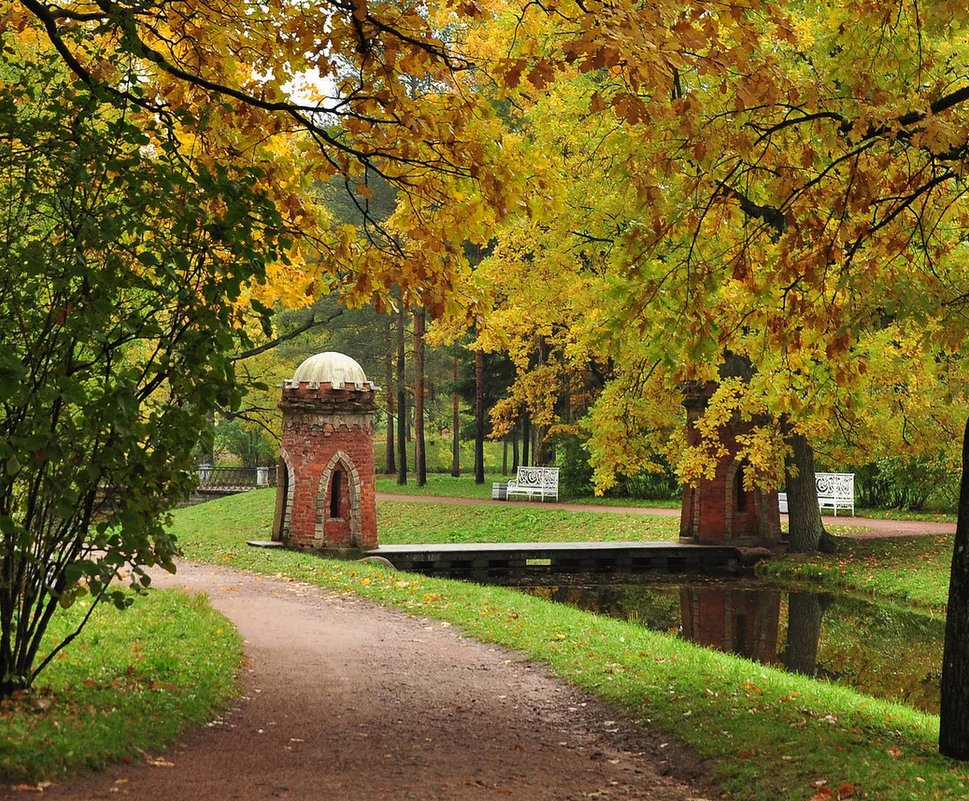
131	682
649	485
249	443
122	271
575	472
907	484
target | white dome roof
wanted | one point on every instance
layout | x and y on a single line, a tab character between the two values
331	368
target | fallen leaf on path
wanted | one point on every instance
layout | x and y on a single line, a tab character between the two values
32	788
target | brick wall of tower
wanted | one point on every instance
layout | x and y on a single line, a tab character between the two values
719	510
321	425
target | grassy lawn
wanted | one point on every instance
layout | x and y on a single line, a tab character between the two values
250	516
441	485
770	735
913	570
130	683
419	523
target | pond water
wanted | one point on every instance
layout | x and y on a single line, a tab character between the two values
881	650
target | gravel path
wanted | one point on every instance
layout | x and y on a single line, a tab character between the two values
351	701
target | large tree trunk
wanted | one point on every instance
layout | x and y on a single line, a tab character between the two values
455	421
954	708
804	514
389	384
420	451
514	453
401	402
479	417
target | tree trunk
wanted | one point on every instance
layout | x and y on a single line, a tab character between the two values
954	707
420	449
804	514
401	402
389	390
804	613
455	421
526	439
504	456
479	417
514	453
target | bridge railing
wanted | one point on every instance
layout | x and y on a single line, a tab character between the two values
236	477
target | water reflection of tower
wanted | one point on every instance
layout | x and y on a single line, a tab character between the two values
739	621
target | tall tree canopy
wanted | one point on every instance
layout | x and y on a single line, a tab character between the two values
730	177
156	161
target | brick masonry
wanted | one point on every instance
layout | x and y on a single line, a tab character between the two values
327	501
719	510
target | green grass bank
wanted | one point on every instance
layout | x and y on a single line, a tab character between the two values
910	570
132	682
769	735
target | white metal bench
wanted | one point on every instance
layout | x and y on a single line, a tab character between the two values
534	482
835	491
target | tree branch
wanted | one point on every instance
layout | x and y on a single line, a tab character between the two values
313	322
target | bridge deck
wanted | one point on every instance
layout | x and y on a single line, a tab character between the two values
487	559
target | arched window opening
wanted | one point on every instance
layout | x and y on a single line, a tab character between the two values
741	492
336	490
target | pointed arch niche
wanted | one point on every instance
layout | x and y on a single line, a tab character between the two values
338	520
285	484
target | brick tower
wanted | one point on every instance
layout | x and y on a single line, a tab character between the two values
720	510
325	496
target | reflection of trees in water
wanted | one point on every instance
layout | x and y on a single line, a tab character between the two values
804	613
656	607
881	650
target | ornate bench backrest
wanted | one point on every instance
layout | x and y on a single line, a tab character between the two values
544	477
836	485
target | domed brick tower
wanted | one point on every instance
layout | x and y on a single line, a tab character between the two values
325	499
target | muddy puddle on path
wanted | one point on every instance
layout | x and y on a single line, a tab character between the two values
881	650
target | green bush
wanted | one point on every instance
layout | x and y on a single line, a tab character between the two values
906	484
575	472
649	486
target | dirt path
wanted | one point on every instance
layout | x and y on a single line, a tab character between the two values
870	527
351	701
